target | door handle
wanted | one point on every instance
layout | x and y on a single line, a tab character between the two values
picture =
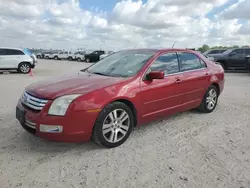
178	80
207	74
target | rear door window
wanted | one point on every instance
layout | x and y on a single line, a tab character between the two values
189	61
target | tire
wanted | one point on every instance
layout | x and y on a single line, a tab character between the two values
24	68
70	58
87	60
46	57
39	57
79	59
116	129
206	104
56	58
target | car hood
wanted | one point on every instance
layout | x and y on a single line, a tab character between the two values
76	83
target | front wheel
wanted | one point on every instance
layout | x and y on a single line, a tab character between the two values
24	68
114	125
70	58
79	59
223	65
210	100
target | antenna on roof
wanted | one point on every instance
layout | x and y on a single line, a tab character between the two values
174	44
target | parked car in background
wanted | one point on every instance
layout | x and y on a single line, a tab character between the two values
94	56
40	55
233	58
214	52
49	55
80	56
106	53
64	55
126	89
18	59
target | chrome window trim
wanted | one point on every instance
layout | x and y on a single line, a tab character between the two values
181	72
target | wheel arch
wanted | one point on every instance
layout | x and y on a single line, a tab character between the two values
223	62
217	86
23	62
129	104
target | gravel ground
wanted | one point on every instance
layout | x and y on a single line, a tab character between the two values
186	150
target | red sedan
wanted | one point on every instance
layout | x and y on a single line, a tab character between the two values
126	89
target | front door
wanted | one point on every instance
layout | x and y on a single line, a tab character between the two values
161	97
236	58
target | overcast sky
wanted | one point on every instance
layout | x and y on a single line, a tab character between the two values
114	24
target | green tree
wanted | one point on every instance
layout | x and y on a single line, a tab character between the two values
204	48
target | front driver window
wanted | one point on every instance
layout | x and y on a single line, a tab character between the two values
167	63
238	51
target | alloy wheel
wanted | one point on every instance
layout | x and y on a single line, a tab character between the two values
25	68
116	125
211	99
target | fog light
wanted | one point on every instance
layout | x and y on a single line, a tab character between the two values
51	128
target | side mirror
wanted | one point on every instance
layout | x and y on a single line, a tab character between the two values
232	54
156	75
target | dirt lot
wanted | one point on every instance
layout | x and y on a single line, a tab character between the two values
186	150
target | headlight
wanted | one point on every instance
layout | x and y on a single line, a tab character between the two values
60	105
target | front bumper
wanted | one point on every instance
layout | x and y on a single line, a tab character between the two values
74	127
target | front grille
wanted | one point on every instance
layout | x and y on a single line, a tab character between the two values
32	102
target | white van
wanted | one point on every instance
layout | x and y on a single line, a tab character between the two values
17	59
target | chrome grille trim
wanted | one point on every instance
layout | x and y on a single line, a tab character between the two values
30	124
33	102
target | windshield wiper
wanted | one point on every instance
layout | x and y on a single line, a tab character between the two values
99	73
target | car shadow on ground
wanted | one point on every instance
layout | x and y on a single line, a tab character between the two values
41	145
237	71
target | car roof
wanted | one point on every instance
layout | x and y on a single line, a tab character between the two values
160	50
9	48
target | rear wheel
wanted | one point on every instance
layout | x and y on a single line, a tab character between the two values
56	58
114	125
79	59
87	60
24	68
210	100
70	58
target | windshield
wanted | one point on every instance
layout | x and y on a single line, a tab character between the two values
121	64
27	51
227	51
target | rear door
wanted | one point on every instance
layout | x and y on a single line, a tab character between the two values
195	78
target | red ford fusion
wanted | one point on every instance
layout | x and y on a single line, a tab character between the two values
126	89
